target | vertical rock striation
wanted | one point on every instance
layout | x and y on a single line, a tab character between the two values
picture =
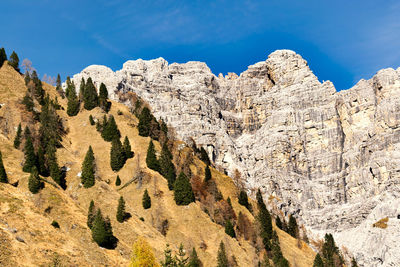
331	157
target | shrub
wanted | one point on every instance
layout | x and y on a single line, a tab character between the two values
55	224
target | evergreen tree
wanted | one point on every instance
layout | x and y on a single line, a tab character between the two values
265	262
28	102
145	118
121	214
169	260
3	56
293	229
3	174
194	260
183	193
118	181
229	229
103	98
88	166
55	171
151	158
264	217
146	200
50	125
167	168
318	261
127	148
38	91
207	174
354	263
222	259
110	130
102	230
17	140
91	120
14	61
229	201
41	163
34	183
27	78
243	199
181	259
59	87
278	258
117	155
73	102
90	96
278	223
30	156
204	156
91	214
82	90
329	250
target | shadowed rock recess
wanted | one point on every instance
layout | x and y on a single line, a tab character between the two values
333	158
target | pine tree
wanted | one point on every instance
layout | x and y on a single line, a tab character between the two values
58	86
17	140
14	61
181	258
117	155
265	262
222	259
207	174
27	78
278	223
329	250
354	263
204	156
28	102
91	214
229	229
229	201
121	214
110	130
169	260
55	171
88	166
127	148
3	174
243	199
146	200
103	98
101	230
90	96
38	91
293	229
30	156
41	163
151	158
318	261
145	118
3	56
167	168
183	193
91	120
118	181
73	102
194	260
264	217
82	90
34	183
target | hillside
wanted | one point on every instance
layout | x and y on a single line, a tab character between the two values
29	239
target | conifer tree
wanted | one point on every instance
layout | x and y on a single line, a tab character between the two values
229	201
38	91
207	174
41	163
243	199
91	120
278	258
318	261
117	155
265	262
118	181
121	214
293	229
91	214
110	130
169	260
151	158
229	229
30	156
183	193
144	122
88	166
27	78
204	156
17	140
103	98
28	102
14	61
73	102
90	96
55	171
354	263
59	87
222	259
264	217
101	230
194	260
167	168
146	200
82	90
3	174
34	183
278	223
3	56
127	148
181	258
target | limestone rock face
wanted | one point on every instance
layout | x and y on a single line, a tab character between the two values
332	158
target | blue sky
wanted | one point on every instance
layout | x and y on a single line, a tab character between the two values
343	41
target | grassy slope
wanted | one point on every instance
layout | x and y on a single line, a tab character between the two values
26	212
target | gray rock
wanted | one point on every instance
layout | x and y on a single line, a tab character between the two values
332	158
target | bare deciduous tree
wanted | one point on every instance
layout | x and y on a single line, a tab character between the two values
48	79
27	66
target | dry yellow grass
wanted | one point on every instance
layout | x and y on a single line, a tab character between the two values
382	223
72	243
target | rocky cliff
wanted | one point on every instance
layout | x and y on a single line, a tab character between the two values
332	158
